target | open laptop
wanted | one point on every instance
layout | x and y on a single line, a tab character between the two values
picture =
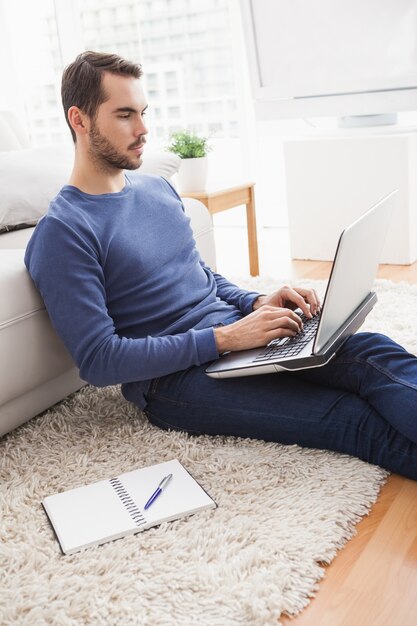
347	302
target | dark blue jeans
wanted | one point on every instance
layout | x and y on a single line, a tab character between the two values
363	403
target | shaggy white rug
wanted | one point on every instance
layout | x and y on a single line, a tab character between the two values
281	512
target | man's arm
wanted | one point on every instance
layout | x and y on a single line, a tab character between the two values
242	299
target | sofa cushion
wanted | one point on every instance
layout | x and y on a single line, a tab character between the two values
164	164
29	180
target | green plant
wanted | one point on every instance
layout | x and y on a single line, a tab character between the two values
188	145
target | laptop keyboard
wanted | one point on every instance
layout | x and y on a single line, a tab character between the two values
290	346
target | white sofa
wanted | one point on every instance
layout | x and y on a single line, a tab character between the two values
35	369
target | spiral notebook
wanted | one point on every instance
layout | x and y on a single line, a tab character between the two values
111	509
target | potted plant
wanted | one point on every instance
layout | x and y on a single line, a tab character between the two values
192	150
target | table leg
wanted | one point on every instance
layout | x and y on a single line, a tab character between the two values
252	237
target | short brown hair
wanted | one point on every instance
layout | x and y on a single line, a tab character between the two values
81	81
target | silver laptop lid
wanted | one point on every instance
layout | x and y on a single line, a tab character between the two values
354	269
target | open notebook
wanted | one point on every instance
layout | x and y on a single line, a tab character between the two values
114	508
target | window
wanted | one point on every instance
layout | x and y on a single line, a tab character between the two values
183	46
35	67
174	112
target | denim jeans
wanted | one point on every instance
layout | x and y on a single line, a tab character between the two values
362	403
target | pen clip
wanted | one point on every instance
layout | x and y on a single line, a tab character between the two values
164	481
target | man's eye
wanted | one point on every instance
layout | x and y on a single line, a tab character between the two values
124	117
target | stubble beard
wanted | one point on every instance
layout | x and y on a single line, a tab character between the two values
105	155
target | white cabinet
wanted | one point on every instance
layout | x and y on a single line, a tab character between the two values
332	179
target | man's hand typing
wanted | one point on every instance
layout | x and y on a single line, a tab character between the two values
273	317
292	298
257	329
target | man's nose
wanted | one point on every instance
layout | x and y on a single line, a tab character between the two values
141	128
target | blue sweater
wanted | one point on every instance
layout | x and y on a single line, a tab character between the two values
124	285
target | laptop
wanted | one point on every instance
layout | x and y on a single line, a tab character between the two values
347	301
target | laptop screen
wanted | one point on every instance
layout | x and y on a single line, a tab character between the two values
354	268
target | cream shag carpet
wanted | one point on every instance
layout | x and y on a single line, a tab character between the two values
282	511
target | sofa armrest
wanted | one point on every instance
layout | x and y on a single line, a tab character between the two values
202	226
16	239
35	368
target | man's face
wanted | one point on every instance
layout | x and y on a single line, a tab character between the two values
117	134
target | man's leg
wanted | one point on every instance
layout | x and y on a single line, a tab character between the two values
280	407
379	371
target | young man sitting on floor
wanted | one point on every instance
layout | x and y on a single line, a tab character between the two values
126	290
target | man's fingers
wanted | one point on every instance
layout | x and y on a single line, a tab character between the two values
283	318
301	298
308	297
314	301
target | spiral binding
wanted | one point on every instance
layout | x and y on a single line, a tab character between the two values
134	512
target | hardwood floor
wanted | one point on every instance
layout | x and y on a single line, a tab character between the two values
373	580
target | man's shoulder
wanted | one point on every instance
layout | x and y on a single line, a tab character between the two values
64	200
62	219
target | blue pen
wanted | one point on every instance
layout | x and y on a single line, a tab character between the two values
158	490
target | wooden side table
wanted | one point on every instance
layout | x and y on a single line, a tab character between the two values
224	199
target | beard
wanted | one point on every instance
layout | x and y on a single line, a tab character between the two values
106	156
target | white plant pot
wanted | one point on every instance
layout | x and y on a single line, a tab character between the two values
192	175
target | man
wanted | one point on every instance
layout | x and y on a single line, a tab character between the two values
125	288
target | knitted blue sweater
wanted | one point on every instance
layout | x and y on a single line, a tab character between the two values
124	285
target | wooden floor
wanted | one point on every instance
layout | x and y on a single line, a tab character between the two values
373	580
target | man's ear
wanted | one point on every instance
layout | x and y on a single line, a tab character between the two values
79	121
